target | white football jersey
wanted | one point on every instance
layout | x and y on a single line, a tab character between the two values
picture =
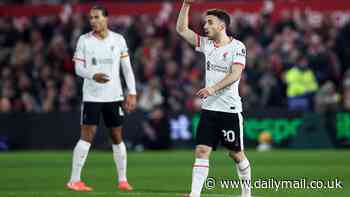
218	61
101	56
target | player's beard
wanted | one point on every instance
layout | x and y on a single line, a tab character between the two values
212	35
94	27
98	26
209	34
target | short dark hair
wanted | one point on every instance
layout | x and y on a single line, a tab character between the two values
102	8
221	14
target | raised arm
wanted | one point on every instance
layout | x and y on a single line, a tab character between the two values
182	23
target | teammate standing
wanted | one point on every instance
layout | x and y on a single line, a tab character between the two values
221	119
98	57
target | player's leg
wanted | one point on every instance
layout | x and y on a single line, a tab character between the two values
200	169
232	138
113	116
89	120
206	140
243	171
120	158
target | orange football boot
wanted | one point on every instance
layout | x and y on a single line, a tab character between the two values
124	186
78	186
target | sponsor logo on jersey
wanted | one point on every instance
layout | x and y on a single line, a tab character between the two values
100	61
217	68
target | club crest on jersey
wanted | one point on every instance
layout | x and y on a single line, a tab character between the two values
225	55
112	48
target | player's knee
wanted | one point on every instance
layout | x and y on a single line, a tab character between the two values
237	156
116	139
116	135
88	133
116	131
202	152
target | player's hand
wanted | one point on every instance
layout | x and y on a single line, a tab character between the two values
205	92
100	78
189	1
130	103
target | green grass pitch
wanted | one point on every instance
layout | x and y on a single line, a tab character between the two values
168	173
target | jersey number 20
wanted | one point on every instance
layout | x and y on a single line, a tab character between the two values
229	135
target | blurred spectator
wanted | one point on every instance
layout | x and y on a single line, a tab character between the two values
172	87
49	97
156	130
301	86
150	96
67	96
327	99
5	105
342	46
249	96
346	99
346	91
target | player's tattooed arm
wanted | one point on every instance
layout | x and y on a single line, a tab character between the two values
230	78
182	23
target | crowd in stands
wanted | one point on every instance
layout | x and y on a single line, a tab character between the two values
299	62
